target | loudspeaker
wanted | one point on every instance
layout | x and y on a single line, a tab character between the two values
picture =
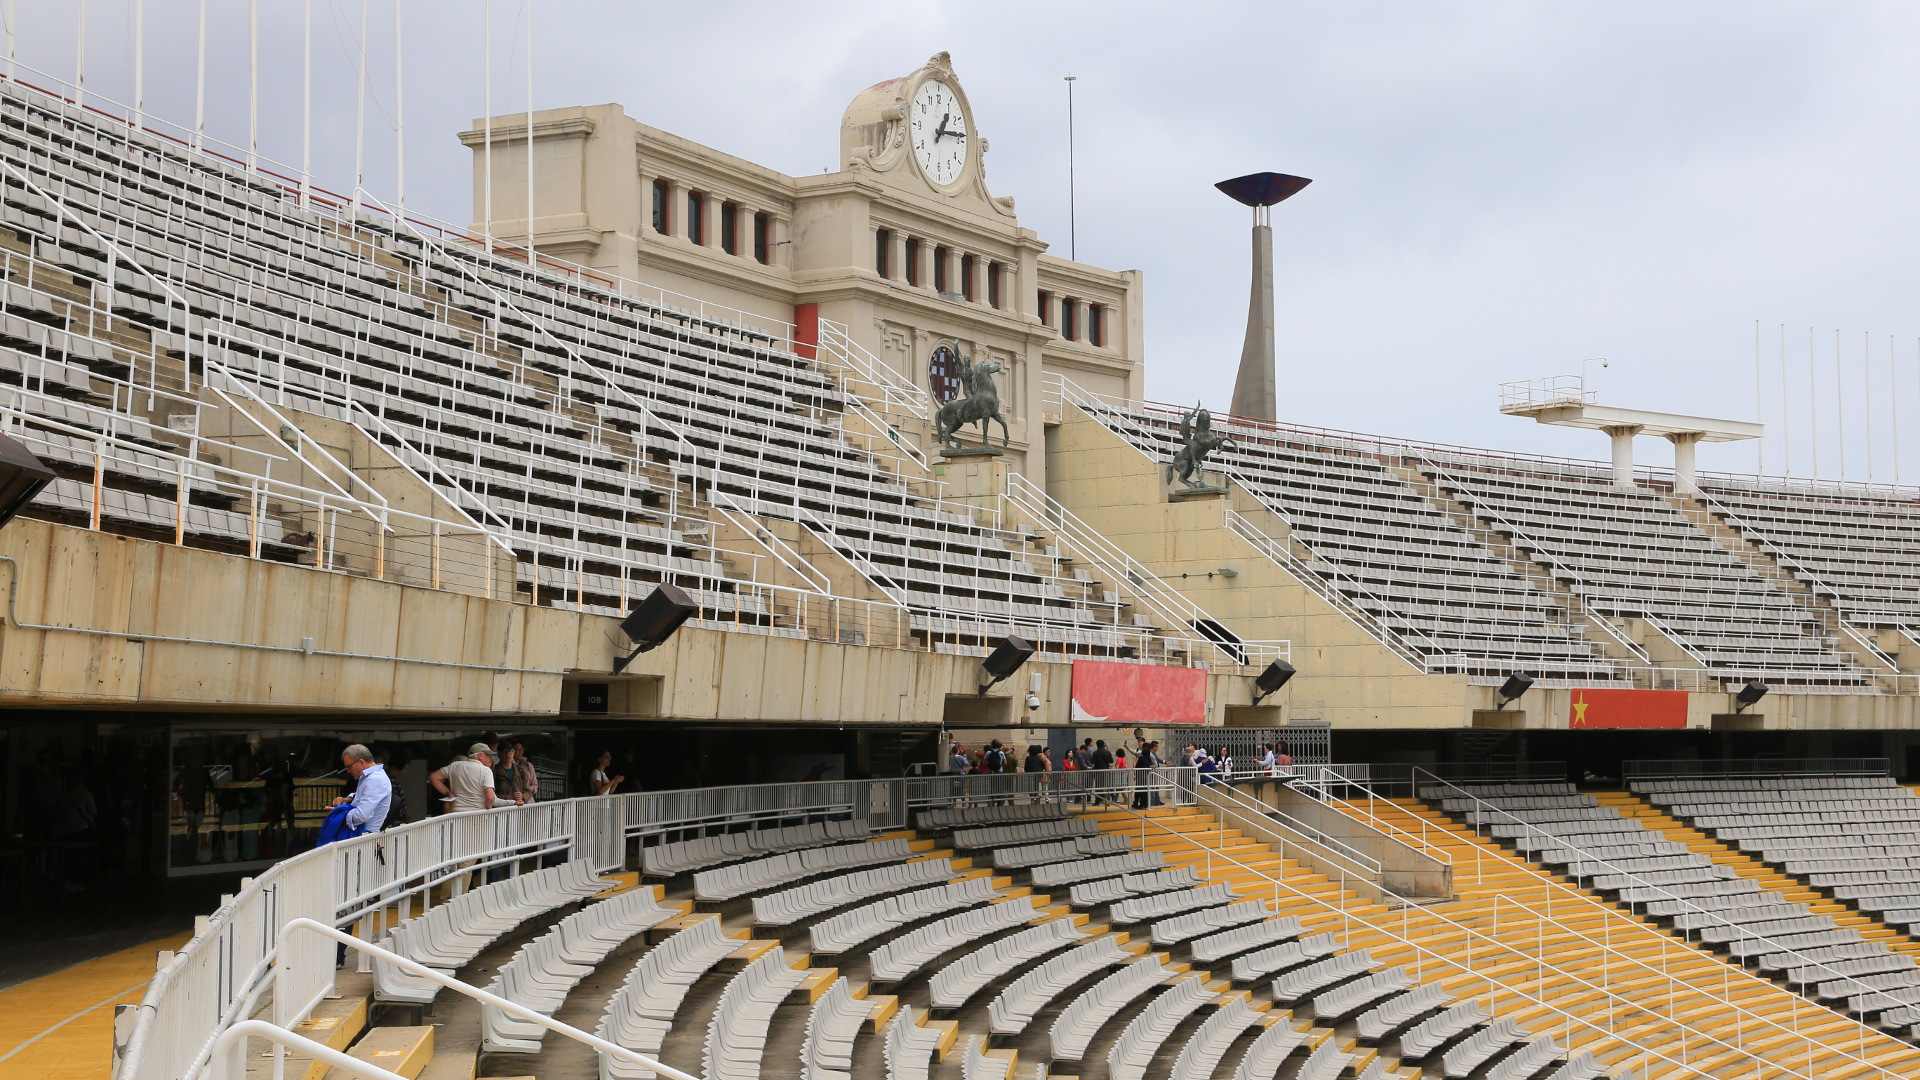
1273	678
21	477
655	619
1005	659
1751	693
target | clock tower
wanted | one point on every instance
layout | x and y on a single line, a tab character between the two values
889	269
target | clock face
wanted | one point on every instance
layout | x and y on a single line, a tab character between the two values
940	134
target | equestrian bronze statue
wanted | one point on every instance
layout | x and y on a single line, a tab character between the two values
981	405
1196	433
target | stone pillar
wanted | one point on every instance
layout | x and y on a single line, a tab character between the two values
676	208
1623	455
1683	444
897	256
1253	389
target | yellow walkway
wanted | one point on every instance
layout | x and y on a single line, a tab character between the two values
71	1012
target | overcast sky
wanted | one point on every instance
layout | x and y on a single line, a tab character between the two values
1500	189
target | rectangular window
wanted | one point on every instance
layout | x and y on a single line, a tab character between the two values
662	217
696	217
1096	331
940	269
913	262
966	277
1044	308
993	285
883	252
762	245
729	228
1068	309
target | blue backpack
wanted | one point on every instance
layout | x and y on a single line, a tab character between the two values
335	827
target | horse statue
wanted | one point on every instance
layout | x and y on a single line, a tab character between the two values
1196	432
980	405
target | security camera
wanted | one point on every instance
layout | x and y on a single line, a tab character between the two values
1033	700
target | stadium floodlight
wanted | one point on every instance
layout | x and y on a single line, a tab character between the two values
1517	683
1254	392
22	475
654	620
1272	679
1749	696
1004	660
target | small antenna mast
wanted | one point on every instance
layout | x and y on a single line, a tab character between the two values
1073	229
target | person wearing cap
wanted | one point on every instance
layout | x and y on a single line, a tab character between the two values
469	780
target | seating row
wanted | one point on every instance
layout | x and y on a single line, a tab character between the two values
450	935
742	879
849	930
737	1033
818	897
679	856
544	970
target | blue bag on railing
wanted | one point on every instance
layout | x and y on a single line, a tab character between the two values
335	827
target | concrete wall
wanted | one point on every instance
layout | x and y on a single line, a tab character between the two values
1404	869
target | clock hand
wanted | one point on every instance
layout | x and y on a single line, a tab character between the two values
942	129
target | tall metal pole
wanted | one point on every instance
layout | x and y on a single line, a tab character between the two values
200	84
139	63
1866	394
1073	210
528	6
360	116
1839	403
80	58
486	125
1893	400
306	105
1759	407
399	114
1786	410
1813	404
253	85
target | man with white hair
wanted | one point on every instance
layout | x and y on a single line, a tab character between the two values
372	792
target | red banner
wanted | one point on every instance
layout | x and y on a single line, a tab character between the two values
1109	693
1628	709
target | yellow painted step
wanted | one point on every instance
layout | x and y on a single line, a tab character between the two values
401	1050
333	1024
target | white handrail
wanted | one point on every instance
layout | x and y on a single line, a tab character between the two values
1613	910
1125	571
506	1005
232	1044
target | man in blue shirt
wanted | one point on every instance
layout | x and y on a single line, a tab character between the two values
372	792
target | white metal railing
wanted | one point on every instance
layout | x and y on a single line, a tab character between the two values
1523	394
892	391
1128	574
1612	912
1489	956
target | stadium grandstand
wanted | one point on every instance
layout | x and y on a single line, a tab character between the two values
1588	773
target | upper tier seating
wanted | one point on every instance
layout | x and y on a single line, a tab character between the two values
1633	555
1861	549
573	419
1391	553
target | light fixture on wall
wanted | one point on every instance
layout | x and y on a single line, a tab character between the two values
1749	696
1272	679
1517	683
1004	660
22	475
654	620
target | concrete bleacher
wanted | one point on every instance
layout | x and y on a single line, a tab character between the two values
1705	899
1859	547
588	427
1392	553
1632	555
